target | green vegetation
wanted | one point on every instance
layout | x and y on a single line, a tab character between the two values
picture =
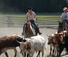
39	6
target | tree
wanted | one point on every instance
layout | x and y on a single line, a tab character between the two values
39	6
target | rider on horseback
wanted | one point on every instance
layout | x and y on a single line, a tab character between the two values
31	17
64	16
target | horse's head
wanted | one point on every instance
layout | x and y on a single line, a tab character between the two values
28	30
61	23
62	26
27	26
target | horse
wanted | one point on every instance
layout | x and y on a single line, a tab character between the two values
62	26
29	30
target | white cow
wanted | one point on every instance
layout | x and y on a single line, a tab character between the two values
36	43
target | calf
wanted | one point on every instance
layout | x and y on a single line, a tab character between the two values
36	43
53	42
9	42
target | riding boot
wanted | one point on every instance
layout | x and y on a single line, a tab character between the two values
38	31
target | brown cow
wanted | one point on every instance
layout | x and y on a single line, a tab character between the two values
9	42
53	42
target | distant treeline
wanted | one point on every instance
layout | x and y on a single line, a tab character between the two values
39	6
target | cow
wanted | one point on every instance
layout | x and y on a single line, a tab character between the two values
9	42
53	42
36	43
50	42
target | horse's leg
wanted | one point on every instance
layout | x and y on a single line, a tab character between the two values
6	54
15	52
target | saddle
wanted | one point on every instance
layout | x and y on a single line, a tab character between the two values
34	27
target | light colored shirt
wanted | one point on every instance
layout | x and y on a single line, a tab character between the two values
64	15
31	17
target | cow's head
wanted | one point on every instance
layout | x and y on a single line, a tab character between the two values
58	37
25	46
50	39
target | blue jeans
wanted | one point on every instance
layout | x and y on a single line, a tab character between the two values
34	23
66	21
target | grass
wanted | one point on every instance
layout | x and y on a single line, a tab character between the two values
42	21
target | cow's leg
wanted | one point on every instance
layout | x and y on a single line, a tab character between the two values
27	54
38	54
6	54
42	52
32	53
22	53
61	47
0	52
50	49
67	49
15	52
57	48
54	51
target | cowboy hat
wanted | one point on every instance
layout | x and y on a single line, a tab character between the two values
65	8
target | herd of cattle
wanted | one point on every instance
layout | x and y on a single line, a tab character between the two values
30	45
57	42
